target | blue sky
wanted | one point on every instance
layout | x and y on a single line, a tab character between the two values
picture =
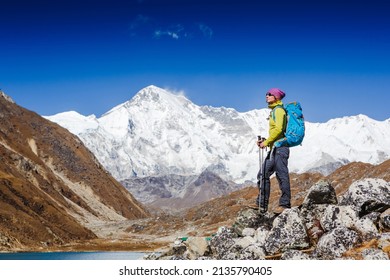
91	55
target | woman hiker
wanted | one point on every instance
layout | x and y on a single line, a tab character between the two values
277	159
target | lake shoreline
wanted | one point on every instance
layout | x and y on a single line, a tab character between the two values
97	245
44	256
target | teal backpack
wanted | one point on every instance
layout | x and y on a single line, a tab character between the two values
295	128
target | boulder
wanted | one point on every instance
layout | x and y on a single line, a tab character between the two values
366	228
250	218
336	242
321	193
197	247
222	242
368	195
336	216
288	232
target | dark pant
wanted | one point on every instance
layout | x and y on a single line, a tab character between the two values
276	161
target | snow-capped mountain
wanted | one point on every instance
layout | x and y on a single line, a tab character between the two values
158	133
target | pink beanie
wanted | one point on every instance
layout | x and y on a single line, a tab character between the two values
279	94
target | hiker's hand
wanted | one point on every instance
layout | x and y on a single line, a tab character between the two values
262	146
259	141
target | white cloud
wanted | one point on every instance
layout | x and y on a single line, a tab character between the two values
173	35
145	25
176	92
175	32
160	33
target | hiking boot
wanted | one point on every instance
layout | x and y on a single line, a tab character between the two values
279	209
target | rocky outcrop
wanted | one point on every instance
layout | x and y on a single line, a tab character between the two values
320	228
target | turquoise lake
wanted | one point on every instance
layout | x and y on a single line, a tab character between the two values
73	256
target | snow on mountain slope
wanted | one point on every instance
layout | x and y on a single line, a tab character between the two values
76	122
158	133
348	139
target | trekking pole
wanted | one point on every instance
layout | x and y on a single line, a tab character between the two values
261	154
261	162
261	172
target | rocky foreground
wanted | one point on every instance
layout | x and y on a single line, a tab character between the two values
355	225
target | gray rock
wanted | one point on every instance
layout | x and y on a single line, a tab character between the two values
368	195
384	220
288	232
374	254
295	255
248	218
253	252
338	216
197	247
321	193
312	222
222	242
384	240
366	228
242	243
336	242
261	235
249	232
177	251
151	257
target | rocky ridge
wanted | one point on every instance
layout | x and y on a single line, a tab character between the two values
355	225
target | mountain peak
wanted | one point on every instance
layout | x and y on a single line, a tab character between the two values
156	98
152	88
154	93
6	97
150	93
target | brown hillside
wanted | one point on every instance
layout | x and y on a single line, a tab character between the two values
52	189
344	176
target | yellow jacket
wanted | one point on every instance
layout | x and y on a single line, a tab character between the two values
276	126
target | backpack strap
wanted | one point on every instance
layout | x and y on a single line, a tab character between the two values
273	111
285	120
